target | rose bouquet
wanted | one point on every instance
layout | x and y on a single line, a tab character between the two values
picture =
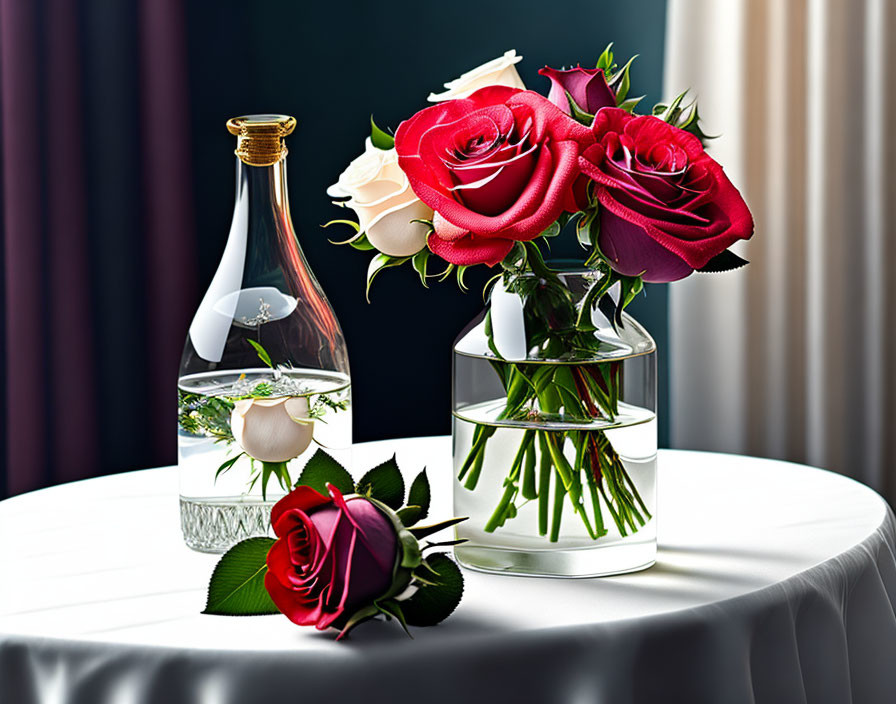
489	175
345	552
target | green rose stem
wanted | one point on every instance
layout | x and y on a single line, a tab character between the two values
585	392
544	484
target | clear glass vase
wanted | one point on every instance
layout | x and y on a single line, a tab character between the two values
264	378
555	432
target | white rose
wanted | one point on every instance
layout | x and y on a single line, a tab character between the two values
379	192
498	72
272	429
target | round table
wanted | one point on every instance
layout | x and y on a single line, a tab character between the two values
774	582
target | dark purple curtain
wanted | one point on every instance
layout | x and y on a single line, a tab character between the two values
98	235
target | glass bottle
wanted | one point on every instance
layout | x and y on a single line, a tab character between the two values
264	378
554	432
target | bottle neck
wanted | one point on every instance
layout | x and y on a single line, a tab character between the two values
262	216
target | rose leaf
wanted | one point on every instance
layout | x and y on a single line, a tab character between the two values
434	602
322	469
419	494
384	483
237	584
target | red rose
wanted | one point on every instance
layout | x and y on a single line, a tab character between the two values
497	167
666	207
333	556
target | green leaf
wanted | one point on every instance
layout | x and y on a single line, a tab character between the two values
377	264
237	584
384	483
726	261
432	604
379	138
322	469
424	531
419	262
262	353
419	494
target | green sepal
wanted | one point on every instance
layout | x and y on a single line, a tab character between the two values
420	494
377	264
273	469
236	587
605	60
461	271
577	113
630	104
321	470
424	531
261	352
227	465
553	229
419	261
384	483
433	603
409	515
391	608
350	223
411	555
361	615
379	138
620	82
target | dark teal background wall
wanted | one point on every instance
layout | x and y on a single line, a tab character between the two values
332	65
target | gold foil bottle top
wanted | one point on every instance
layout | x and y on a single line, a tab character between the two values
260	137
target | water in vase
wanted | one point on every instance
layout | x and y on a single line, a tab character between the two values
243	437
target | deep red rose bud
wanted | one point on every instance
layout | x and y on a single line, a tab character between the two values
333	556
666	207
587	86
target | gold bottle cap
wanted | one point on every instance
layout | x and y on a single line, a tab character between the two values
260	137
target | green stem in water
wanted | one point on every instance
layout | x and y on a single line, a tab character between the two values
544	482
529	489
557	514
570	483
500	514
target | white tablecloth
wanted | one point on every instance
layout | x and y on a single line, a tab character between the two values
774	583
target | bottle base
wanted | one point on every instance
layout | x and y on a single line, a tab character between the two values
216	526
564	564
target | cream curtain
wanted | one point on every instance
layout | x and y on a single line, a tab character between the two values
793	356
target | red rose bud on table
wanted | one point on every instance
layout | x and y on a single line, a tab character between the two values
344	553
496	167
334	556
666	208
586	86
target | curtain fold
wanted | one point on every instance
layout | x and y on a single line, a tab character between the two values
98	238
791	357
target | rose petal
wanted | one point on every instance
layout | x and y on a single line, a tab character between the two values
632	252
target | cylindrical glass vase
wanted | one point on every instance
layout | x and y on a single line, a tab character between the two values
264	378
554	432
